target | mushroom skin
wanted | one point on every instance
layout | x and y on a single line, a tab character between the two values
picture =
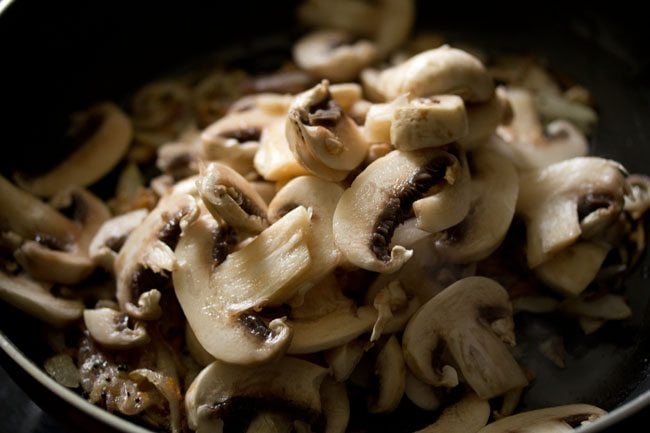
330	54
552	419
147	258
560	201
324	139
439	71
226	194
469	415
110	137
471	319
220	388
379	200
110	328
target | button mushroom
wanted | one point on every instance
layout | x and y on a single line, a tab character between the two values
471	319
440	71
567	200
104	132
552	419
379	200
111	329
324	139
469	415
224	389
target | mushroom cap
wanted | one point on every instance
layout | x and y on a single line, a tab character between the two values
464	318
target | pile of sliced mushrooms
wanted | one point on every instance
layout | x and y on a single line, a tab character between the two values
370	216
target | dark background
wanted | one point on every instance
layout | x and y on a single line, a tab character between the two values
58	57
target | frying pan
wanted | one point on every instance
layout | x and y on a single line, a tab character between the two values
59	57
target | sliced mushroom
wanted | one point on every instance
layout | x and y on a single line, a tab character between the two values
379	118
274	159
336	406
270	422
222	389
394	309
391	374
67	264
471	319
226	194
553	106
469	415
146	259
112	235
527	143
343	359
421	394
397	18
439	71
130	191
483	119
494	189
571	270
112	329
346	95
324	139
199	354
35	299
606	307
180	159
321	198
379	200
428	122
552	419
213	95
104	133
331	54
219	293
637	202
562	200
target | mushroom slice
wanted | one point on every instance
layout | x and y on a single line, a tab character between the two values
526	142
449	206
218	292
394	309
321	198
428	122
379	200
440	71
469	415
324	139
71	264
471	319
606	307
336	406
571	270
221	389
106	134
199	354
483	119
147	257
111	329
637	201
112	235
274	160
421	394
226	194
391	373
550	419
379	118
343	359
35	299
331	54
558	201
346	95
494	189
270	422
397	17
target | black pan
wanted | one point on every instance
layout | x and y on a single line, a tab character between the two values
60	57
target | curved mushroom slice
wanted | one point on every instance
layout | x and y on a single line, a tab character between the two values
379	118
336	406
321	198
199	354
106	134
226	194
222	389
70	264
494	189
559	418
112	235
111	329
469	415
394	309
274	160
346	95
571	270
440	71
162	108
483	119
270	422
397	18
343	359
471	319
428	122
606	307
35	299
324	139
218	292
421	394
213	95
637	201
331	54
379	200
449	206
562	200
391	373
331	330
146	259
270	103
526	142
